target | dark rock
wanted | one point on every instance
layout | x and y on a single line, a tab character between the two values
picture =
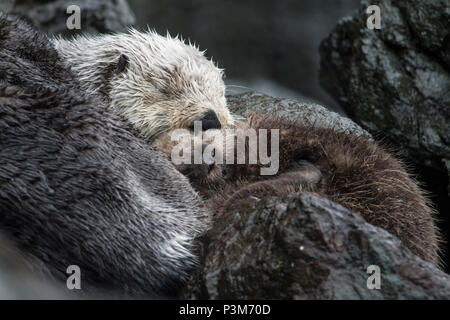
96	15
395	80
305	247
247	103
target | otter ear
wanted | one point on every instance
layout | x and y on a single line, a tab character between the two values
122	64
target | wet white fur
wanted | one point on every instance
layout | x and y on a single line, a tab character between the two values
167	84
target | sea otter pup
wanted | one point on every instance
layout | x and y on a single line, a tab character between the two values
352	171
77	187
157	83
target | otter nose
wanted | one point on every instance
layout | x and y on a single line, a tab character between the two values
209	121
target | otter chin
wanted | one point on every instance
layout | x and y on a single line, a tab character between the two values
157	83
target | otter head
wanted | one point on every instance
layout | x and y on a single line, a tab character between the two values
161	83
157	83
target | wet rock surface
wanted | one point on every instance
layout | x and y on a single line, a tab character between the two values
247	103
96	15
396	80
305	247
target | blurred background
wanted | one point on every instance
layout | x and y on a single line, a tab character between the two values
271	47
266	46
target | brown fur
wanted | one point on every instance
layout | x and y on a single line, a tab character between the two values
352	171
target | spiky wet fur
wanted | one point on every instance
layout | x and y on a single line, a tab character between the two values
168	84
